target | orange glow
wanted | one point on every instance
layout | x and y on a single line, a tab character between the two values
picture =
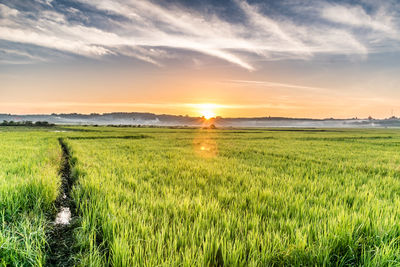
207	110
187	92
208	114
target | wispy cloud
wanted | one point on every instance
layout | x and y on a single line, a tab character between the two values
13	52
148	30
356	16
275	84
5	11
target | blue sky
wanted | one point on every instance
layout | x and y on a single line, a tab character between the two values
291	58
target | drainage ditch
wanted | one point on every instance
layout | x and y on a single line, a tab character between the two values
61	239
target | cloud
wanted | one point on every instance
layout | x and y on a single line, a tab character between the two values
275	84
357	17
14	56
147	31
5	11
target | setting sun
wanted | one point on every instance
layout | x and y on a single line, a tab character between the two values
208	114
207	110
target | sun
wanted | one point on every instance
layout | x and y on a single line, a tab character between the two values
208	114
207	111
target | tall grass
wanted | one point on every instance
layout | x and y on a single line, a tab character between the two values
235	198
168	197
29	183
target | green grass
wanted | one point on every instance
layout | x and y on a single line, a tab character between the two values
29	183
195	197
188	197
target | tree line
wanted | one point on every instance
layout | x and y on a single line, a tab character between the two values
27	123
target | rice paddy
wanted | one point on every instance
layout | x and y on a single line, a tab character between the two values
29	163
196	197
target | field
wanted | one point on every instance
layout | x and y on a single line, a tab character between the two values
29	181
195	197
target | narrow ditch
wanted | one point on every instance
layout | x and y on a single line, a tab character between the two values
61	241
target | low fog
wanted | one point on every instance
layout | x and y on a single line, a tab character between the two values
150	119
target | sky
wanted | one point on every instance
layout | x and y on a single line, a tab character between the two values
232	58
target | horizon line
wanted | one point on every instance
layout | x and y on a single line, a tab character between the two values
186	115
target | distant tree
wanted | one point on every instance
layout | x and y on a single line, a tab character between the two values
42	123
26	123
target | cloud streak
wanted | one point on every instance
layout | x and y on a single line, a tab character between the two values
147	31
275	84
356	16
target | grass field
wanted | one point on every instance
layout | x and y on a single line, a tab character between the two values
191	197
29	163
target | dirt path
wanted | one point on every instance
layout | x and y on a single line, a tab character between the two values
61	237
